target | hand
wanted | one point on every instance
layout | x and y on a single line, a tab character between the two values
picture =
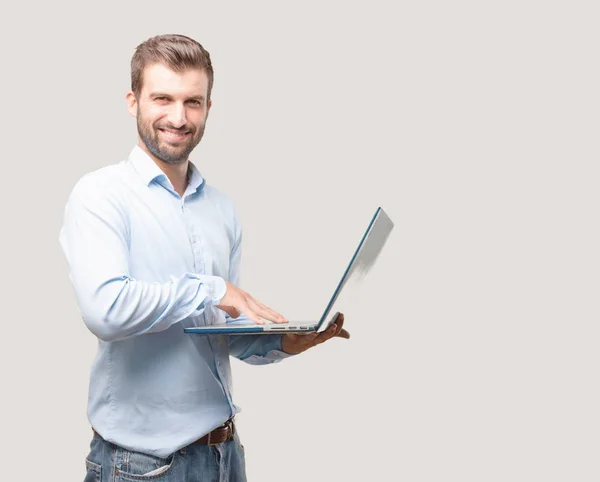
237	301
293	343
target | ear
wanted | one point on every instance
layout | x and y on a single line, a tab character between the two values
132	104
208	106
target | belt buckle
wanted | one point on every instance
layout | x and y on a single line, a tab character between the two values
228	426
208	442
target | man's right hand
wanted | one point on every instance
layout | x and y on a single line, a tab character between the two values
237	301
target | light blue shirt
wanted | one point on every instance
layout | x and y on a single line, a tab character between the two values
145	263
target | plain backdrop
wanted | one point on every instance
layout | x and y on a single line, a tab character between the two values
474	349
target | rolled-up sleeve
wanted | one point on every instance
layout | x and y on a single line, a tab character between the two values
257	349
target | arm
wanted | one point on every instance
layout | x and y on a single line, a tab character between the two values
114	305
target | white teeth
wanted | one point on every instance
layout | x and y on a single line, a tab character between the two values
174	134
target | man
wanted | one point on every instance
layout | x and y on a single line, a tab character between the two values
153	249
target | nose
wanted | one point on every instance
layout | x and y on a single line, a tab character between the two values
176	115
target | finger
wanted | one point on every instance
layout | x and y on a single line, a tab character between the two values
275	316
250	313
333	331
340	332
230	310
266	312
339	321
326	335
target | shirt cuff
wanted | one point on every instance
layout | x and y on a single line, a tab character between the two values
215	288
274	351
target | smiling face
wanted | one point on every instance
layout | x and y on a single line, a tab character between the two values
171	111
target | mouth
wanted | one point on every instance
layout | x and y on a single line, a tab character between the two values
174	135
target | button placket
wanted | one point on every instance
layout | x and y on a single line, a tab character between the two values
218	350
192	237
217	347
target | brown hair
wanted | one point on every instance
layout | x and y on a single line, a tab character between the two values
177	52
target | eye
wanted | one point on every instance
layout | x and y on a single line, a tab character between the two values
196	103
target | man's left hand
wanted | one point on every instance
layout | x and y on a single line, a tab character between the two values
293	343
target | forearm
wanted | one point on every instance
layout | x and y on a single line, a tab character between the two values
123	307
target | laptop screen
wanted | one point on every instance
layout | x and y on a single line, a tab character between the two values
365	254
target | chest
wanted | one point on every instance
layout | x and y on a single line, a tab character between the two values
170	236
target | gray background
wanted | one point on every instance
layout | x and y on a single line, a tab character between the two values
474	124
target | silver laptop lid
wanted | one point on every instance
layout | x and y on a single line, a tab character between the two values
364	257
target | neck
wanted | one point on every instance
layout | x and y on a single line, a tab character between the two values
177	173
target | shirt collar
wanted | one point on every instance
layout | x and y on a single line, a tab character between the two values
195	179
149	170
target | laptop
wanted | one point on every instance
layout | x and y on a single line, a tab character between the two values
363	259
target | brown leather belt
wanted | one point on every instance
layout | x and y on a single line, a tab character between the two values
219	435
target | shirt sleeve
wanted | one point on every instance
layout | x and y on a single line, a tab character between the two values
114	306
257	349
252	349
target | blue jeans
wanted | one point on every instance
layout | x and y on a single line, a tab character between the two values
108	462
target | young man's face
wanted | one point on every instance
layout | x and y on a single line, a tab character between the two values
171	111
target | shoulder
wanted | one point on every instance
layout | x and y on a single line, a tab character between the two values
217	196
104	190
220	200
106	181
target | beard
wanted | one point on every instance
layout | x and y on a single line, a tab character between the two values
170	152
